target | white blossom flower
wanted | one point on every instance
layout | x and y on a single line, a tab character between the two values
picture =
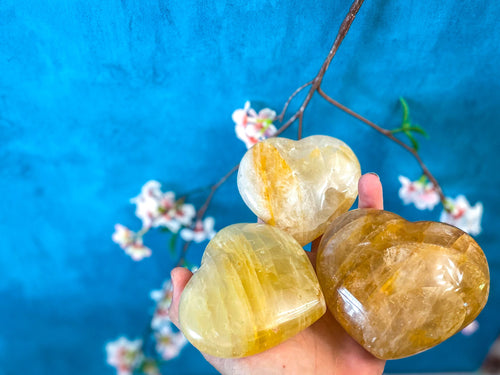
421	193
169	343
471	328
462	215
252	127
240	116
124	355
185	214
176	216
202	231
130	242
123	236
138	251
148	203
163	299
158	209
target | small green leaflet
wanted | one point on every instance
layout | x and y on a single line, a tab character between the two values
407	127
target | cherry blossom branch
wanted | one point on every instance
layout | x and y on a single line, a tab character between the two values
213	189
282	114
316	82
203	209
390	135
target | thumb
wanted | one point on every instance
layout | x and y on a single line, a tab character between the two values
370	192
180	277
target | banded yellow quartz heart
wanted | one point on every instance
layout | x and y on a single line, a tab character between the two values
299	186
255	288
399	288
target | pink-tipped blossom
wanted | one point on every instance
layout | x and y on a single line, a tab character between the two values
463	215
169	343
124	355
158	209
421	193
203	230
176	217
252	127
131	243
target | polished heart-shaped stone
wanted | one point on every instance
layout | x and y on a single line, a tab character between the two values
255	288
299	186
397	287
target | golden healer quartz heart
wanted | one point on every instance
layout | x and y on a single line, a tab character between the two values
299	186
399	288
255	288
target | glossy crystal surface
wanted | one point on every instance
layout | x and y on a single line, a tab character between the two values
399	288
299	186
255	288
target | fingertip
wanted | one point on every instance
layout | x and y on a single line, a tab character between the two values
180	277
370	192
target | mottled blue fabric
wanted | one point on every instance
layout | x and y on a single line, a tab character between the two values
97	97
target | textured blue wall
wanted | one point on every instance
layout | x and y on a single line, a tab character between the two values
97	97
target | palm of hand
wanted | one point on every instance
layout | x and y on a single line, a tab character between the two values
323	348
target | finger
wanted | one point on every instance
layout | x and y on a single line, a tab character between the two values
180	277
370	192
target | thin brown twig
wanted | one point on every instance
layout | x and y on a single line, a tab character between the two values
295	93
203	209
182	257
388	134
316	82
301	118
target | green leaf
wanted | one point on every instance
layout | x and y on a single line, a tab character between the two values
406	111
173	242
413	141
418	129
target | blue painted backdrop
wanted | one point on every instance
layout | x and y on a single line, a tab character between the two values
97	97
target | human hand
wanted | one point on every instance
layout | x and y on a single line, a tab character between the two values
323	348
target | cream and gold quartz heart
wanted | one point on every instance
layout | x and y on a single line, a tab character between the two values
255	288
299	186
398	287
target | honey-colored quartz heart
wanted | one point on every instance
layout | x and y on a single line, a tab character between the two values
255	288
397	287
299	186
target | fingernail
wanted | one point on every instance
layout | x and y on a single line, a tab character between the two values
373	173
